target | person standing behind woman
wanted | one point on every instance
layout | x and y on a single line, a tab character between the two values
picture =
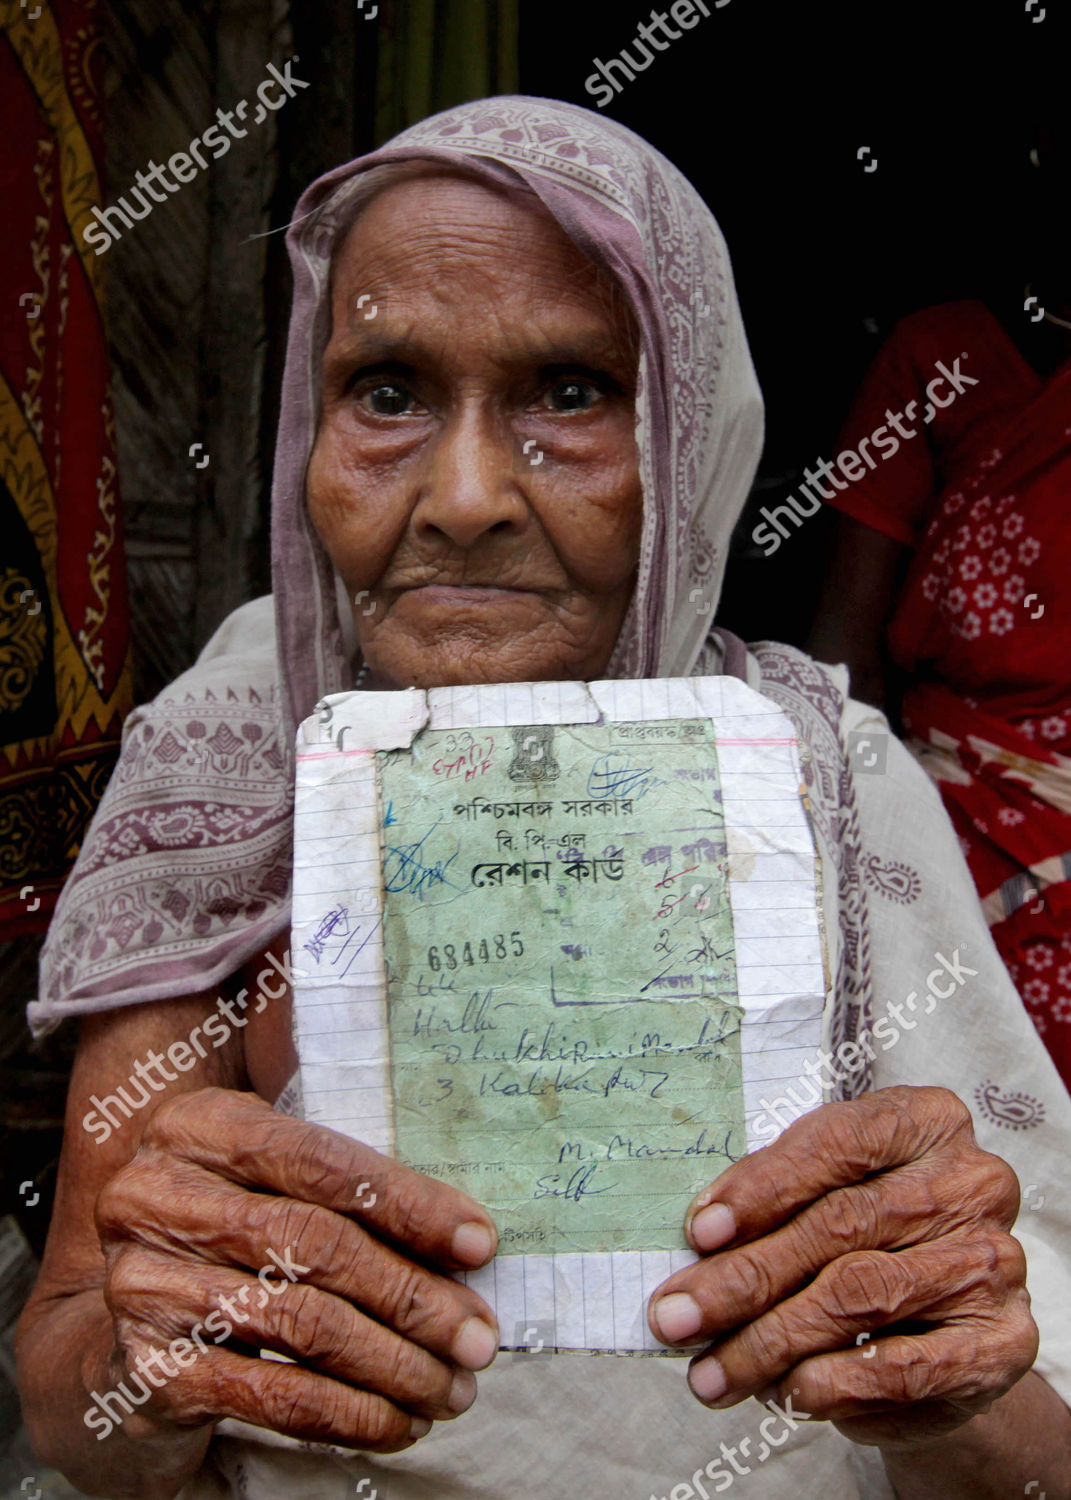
977	613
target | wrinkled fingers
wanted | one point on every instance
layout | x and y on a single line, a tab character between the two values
163	1308
213	1223
978	1282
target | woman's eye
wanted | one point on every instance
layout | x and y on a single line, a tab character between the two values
389	400
572	395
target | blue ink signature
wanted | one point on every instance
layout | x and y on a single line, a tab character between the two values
405	870
575	1189
337	924
614	775
336	917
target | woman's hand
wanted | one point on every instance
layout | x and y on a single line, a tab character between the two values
223	1187
881	1214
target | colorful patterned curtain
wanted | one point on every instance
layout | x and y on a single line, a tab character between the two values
64	627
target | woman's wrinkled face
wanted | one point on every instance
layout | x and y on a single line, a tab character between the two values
475	478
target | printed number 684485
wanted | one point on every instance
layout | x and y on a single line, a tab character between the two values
487	951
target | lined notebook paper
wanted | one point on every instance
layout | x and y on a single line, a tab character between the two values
557	942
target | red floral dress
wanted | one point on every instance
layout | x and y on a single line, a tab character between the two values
982	493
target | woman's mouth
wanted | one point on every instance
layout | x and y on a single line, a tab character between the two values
446	593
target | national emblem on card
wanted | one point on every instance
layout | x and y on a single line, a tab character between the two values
533	754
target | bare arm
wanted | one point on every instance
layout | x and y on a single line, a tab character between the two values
1023	1441
158	1231
66	1341
855	606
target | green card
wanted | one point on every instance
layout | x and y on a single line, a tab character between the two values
564	1024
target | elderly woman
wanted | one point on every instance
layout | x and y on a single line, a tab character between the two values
514	276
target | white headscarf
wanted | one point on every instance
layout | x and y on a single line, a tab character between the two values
698	408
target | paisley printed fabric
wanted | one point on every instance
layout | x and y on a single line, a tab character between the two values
811	696
186	870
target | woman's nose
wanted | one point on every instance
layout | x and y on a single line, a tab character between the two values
469	486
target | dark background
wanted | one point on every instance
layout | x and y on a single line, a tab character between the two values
764	106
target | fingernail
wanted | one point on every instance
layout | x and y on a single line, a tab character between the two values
707	1379
677	1316
713	1226
462	1392
419	1427
473	1243
476	1344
